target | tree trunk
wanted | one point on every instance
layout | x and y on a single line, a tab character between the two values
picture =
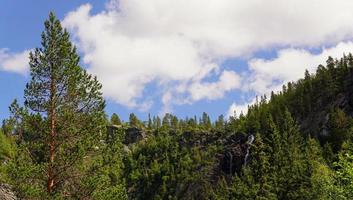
52	136
51	156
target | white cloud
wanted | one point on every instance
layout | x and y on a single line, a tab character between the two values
14	62
236	109
289	65
228	80
177	44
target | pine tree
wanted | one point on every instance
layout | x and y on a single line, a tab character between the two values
149	124
219	124
340	127
174	122
344	172
322	178
157	122
308	89
115	120
134	121
166	121
261	167
206	121
276	152
70	101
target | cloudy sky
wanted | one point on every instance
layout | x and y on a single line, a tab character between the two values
180	56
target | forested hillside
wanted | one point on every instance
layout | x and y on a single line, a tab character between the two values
295	144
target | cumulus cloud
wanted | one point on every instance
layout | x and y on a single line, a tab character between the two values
228	80
14	62
289	65
178	44
236	109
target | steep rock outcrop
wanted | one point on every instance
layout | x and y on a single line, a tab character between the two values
133	135
236	153
129	135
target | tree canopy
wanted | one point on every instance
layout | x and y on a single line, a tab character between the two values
296	144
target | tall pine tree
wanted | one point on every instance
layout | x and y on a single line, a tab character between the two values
71	103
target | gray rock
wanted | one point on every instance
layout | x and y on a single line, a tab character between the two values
6	193
130	135
133	135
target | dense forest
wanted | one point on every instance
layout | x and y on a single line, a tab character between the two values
295	144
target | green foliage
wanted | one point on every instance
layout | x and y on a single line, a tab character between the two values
322	180
134	121
162	168
115	120
287	160
341	128
61	123
7	150
344	171
25	175
61	146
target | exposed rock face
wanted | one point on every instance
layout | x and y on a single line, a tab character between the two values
130	134
133	135
237	151
6	193
316	122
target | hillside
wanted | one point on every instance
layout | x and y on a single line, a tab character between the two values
60	144
300	148
291	145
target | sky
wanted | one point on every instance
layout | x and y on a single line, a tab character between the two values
182	57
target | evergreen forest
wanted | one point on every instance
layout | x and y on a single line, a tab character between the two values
60	144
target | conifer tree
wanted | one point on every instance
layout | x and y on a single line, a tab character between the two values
134	121
322	178
174	122
115	120
149	124
219	124
206	121
344	172
71	104
261	166
340	126
166	120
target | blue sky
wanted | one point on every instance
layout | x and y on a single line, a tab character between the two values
175	56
